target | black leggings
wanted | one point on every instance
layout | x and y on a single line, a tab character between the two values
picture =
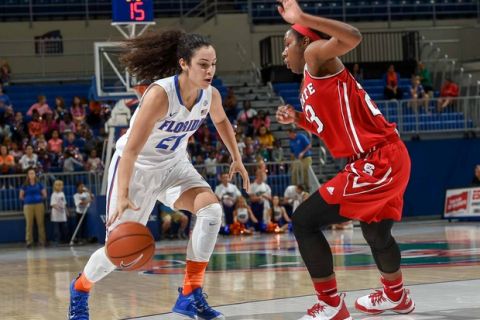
315	213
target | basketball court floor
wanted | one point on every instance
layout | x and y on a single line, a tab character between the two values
256	277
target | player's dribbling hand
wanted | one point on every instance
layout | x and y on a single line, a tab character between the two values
285	114
122	205
289	10
237	166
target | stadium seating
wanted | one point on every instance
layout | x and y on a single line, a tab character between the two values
404	116
262	11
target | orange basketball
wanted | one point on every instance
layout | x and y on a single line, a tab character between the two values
130	245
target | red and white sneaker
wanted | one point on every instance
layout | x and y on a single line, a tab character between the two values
323	311
378	302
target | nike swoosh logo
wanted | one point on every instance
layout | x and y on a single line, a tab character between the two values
173	114
128	265
212	224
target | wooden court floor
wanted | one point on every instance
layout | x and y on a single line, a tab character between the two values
34	283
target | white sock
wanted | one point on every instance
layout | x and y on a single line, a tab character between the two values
98	266
205	232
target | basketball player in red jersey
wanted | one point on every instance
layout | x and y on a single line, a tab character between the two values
370	188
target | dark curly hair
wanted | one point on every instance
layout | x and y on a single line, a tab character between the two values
155	55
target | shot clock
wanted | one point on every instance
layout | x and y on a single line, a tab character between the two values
132	11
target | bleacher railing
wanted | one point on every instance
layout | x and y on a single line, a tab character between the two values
34	59
279	178
260	11
462	115
10	204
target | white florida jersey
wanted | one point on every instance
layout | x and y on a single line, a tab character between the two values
167	143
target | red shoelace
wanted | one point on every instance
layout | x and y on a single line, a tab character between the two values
377	297
316	309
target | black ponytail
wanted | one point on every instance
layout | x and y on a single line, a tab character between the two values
155	55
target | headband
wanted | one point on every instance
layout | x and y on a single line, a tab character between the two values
306	32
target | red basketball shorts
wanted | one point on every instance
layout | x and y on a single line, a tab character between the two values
371	189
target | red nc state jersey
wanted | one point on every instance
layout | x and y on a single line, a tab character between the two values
341	113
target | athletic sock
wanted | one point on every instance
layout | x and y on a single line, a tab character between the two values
194	274
393	288
327	292
83	284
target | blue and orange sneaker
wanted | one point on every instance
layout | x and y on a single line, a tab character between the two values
78	309
195	306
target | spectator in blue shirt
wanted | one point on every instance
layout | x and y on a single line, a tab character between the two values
33	193
300	146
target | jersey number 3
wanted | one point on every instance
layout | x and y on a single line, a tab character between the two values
170	143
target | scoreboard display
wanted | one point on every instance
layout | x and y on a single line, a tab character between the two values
132	11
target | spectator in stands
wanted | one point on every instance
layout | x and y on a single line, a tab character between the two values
261	119
230	105
15	152
29	159
476	178
278	217
5	131
58	203
211	165
425	78
167	215
44	158
5	73
245	117
72	143
241	144
60	109
260	195
41	106
250	150
33	193
77	110
82	199
48	124
18	128
55	144
266	140
94	117
227	193
203	135
4	99
300	147
35	127
71	161
277	152
391	80
7	161
244	220
418	94
293	196
357	73
94	163
66	124
8	115
449	91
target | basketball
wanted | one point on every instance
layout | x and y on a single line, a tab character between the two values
130	246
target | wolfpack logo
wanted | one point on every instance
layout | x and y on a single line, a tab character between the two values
368	169
180	126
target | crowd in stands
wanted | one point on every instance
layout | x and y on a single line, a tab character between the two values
420	91
52	138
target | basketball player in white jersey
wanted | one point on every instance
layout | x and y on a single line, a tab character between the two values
151	160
